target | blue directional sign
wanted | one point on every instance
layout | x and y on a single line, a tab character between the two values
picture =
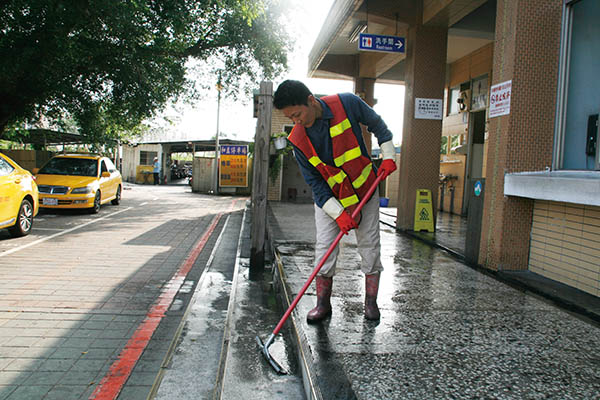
389	44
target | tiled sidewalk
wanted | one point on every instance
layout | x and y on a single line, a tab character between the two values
446	331
69	305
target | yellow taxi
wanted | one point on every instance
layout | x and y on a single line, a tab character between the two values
18	197
78	181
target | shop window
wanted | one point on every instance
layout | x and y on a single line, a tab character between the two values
579	88
453	96
479	94
147	157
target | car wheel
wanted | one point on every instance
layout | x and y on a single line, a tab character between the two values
117	200
96	208
24	220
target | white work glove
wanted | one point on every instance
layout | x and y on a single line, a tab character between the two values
333	207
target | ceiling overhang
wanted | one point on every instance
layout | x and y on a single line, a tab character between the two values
188	146
471	25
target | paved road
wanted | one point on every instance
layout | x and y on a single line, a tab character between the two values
89	300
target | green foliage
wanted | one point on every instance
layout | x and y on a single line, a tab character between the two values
111	64
454	143
279	134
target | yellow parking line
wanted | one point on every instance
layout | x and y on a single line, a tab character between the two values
59	233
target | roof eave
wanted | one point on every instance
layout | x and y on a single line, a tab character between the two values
339	14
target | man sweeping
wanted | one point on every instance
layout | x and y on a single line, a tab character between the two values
331	153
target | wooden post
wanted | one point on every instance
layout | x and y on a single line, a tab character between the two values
260	176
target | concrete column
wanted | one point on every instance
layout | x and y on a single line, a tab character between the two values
421	138
365	88
526	51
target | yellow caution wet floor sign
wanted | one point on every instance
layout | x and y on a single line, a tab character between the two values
423	211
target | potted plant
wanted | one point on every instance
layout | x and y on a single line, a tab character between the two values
282	147
279	140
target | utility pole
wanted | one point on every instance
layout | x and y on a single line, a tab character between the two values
216	174
260	173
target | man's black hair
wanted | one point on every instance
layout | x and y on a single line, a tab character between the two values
291	93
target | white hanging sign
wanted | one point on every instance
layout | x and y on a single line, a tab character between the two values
500	99
428	108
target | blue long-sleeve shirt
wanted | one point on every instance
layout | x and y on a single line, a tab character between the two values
358	112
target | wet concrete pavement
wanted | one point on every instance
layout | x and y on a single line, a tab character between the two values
216	355
450	236
447	330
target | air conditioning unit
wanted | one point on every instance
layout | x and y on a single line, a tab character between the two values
464	101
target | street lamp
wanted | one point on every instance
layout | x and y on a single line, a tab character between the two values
216	175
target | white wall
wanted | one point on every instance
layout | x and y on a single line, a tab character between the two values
202	174
131	159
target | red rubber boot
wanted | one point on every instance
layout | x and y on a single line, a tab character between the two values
372	287
323	308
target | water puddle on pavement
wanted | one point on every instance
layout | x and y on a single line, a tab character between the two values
283	347
186	287
177	305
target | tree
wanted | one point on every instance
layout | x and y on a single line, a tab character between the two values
109	64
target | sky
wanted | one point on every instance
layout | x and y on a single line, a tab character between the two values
235	119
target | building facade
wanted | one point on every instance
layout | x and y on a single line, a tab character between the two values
519	117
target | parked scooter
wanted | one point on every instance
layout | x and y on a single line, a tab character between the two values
178	172
188	174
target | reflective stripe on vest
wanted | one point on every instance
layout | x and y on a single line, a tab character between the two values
347	156
349	201
339	128
337	178
362	178
333	179
314	160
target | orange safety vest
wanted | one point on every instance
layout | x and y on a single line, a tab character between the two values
353	174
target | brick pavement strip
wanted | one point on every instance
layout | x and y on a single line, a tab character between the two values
68	305
119	372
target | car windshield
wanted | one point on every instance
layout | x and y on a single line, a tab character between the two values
71	166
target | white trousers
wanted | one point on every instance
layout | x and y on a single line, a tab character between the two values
367	238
